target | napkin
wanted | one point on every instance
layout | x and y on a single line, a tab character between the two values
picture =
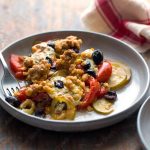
127	20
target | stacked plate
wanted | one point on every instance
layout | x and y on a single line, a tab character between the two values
143	123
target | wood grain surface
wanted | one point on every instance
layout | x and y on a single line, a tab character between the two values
20	18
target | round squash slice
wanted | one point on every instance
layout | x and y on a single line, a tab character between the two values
125	67
103	106
121	75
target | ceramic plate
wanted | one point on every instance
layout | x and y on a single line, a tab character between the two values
129	98
143	123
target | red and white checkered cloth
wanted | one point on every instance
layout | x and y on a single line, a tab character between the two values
128	20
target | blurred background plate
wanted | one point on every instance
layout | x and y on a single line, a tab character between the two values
143	123
129	98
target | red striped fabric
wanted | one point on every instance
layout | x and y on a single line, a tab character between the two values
114	20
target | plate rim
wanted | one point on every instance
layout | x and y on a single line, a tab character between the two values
139	129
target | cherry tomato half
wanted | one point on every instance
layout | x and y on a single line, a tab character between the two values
16	64
104	72
91	95
102	91
21	94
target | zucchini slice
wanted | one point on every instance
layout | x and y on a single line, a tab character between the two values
118	77
103	106
125	67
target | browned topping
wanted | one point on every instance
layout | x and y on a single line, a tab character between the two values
38	72
55	68
66	59
70	42
28	62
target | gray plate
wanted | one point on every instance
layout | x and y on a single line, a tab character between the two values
129	98
143	123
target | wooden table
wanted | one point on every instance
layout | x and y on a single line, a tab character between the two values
21	18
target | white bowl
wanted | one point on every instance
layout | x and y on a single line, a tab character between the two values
143	123
129	98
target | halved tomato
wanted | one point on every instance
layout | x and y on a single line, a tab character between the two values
91	95
21	94
104	72
102	91
16	64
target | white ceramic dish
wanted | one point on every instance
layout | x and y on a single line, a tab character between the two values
129	98
143	124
